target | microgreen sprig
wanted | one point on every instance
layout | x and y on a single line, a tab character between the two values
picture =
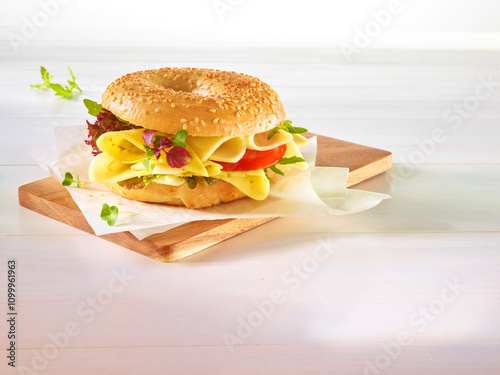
177	154
69	180
46	77
192	182
147	161
286	126
66	92
282	161
180	138
110	214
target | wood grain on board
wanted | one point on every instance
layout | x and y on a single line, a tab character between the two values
51	199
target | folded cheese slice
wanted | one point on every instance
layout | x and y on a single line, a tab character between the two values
123	153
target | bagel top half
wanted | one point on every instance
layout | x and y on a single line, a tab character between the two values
205	102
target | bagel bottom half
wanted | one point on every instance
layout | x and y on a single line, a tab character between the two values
199	197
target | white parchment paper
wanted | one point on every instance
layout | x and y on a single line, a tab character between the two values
319	191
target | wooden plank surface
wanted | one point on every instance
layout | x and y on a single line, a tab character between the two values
49	198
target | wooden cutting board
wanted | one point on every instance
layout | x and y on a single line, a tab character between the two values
49	198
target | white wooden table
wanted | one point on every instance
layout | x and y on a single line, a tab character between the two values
409	287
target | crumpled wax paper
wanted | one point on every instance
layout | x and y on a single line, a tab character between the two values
318	191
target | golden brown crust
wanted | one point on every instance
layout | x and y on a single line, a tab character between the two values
199	197
205	102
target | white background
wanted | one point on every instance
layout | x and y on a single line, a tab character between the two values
297	23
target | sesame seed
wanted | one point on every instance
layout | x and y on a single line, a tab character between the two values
213	110
202	122
197	129
216	120
183	120
184	126
196	120
172	105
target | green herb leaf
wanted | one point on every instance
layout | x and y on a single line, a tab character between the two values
209	181
46	77
147	162
148	179
275	169
292	160
72	82
191	182
270	179
149	153
93	107
180	138
286	126
65	92
282	161
109	214
68	180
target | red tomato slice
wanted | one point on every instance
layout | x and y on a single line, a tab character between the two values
253	160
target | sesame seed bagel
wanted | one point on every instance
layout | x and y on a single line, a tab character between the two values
205	102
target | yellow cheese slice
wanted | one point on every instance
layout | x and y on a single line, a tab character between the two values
230	151
169	180
195	166
252	183
212	168
125	146
300	140
261	143
223	148
105	169
291	151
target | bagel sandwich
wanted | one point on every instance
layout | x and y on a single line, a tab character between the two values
191	137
